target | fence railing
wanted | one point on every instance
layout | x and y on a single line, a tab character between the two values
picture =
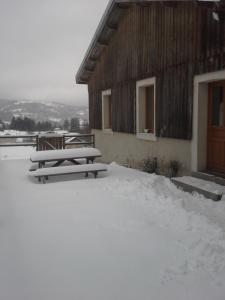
68	140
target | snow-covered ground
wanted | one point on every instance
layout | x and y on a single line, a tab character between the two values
12	153
124	236
12	132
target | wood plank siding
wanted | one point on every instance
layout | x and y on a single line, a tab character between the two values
170	43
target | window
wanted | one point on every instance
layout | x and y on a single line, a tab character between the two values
146	109
107	110
149	109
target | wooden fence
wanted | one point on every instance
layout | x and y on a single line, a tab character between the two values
49	143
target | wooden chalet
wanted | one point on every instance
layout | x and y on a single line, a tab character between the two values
155	72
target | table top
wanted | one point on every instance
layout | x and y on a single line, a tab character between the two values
64	154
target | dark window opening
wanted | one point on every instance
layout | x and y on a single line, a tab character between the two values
149	109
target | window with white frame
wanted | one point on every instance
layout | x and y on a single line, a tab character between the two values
146	108
106	110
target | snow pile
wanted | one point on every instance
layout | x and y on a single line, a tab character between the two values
201	242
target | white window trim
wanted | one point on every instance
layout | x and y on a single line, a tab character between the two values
140	84
105	93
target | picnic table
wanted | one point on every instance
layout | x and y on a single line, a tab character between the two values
59	156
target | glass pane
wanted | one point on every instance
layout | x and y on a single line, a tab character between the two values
110	111
107	112
149	109
217	106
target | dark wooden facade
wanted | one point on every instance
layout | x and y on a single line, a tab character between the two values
171	43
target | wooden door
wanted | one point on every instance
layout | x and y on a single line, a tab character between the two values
216	127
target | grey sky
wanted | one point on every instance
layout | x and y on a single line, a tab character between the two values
42	45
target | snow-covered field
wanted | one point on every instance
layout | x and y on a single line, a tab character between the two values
124	236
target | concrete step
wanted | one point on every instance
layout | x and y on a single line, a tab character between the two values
207	188
209	177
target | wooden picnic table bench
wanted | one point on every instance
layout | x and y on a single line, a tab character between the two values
59	156
43	173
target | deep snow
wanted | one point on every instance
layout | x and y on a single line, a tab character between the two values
126	235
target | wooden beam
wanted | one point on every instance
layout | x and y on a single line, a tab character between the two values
169	3
17	144
83	80
111	27
205	4
92	59
17	136
88	71
123	4
90	66
101	44
221	15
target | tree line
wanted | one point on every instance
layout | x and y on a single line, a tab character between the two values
28	124
2	125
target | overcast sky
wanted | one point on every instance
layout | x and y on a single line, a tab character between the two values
42	43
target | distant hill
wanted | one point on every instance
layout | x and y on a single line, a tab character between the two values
41	111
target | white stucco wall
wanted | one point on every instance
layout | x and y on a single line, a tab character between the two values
127	148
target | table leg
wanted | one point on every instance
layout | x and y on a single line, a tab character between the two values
58	163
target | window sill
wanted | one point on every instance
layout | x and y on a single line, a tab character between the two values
147	137
108	131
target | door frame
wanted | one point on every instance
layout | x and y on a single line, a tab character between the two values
214	132
200	119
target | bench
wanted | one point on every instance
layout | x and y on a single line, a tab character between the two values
44	173
35	166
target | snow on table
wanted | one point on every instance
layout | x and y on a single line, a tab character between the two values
52	155
126	236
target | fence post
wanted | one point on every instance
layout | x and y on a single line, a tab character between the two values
94	140
36	142
64	142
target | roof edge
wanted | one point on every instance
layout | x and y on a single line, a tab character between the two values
94	40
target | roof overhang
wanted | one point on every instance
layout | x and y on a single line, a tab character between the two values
103	34
107	27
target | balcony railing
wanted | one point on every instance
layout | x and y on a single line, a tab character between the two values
68	141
